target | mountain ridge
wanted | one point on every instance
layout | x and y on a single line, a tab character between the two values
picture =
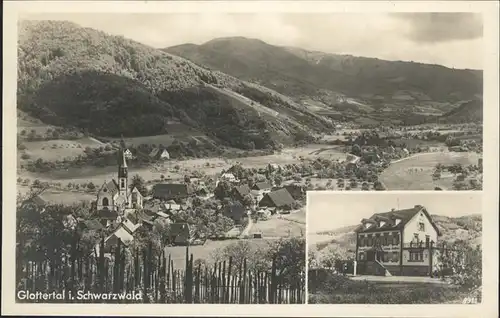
330	78
102	69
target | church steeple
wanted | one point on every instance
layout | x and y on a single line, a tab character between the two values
122	172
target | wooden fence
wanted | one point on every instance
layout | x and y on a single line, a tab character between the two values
155	278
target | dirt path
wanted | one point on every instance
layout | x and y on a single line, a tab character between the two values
248	227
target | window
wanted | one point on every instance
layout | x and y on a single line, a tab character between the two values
385	257
122	183
361	256
421	226
415	238
395	257
384	239
395	238
105	201
370	240
416	256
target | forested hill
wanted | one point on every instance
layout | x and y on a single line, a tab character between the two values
323	76
112	86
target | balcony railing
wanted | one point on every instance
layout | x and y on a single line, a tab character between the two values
421	244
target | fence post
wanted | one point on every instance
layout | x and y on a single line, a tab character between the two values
229	288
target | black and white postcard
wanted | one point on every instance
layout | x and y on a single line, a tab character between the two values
163	153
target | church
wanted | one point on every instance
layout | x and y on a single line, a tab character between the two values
116	196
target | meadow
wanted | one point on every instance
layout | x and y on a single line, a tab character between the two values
415	172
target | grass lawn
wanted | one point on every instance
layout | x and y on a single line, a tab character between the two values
278	227
415	173
335	289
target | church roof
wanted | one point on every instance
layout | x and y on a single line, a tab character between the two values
112	186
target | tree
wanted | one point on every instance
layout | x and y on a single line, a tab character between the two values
91	186
278	180
465	263
139	183
289	255
356	150
223	190
248	200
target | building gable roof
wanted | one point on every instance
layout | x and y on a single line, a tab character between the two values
179	229
242	190
262	186
405	215
93	224
169	191
280	197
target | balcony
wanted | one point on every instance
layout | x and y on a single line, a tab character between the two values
420	244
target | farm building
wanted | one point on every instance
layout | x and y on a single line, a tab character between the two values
263	187
180	234
159	154
239	192
171	191
297	191
229	177
398	242
279	199
107	217
235	211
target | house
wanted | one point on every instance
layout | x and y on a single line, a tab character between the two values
121	233
107	217
180	234
399	242
116	195
264	214
262	187
369	157
297	192
159	154
239	192
281	199
235	211
91	225
228	177
171	191
139	218
352	161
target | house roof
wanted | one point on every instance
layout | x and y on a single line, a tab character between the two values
405	215
280	197
242	190
122	234
235	210
169	191
107	214
262	186
154	152
295	190
93	224
179	228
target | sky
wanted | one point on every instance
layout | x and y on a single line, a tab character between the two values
330	211
450	39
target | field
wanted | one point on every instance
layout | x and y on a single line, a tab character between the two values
210	166
58	149
60	196
415	173
278	226
208	250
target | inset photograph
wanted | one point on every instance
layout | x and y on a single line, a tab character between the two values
394	247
